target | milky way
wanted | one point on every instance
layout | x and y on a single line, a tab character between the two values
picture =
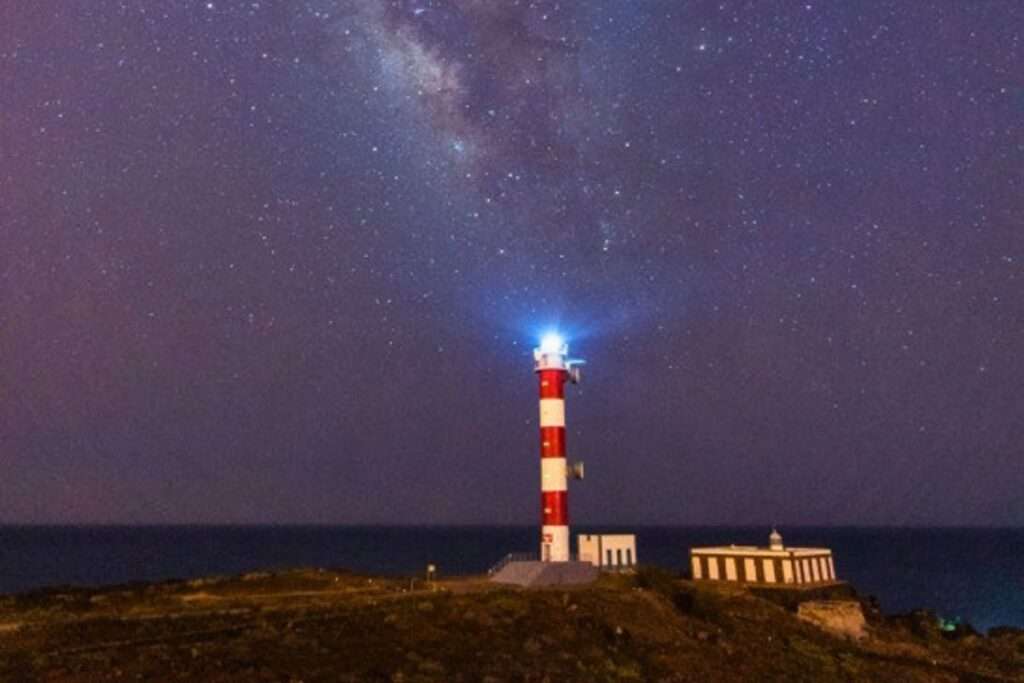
284	262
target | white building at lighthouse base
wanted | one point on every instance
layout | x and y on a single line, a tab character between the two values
610	552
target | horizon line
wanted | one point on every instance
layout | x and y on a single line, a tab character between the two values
492	525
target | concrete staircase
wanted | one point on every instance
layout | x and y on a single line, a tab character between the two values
535	574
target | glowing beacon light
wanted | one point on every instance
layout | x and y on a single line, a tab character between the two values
553	343
553	368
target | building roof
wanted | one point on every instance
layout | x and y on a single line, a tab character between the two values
755	551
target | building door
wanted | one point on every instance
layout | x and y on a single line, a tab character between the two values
545	554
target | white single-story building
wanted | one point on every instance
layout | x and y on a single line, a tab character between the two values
607	551
775	564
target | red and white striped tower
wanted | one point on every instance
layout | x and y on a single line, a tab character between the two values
553	367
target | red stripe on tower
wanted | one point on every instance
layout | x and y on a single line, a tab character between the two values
553	368
552	442
555	508
552	383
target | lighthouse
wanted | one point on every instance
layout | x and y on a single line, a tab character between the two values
554	368
554	565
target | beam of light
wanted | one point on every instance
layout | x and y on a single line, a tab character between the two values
552	342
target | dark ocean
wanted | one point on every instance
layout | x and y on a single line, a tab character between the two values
974	574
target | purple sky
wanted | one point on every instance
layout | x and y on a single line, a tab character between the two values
285	261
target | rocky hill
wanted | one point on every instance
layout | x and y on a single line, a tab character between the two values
317	625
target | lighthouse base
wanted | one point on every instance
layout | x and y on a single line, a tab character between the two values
534	574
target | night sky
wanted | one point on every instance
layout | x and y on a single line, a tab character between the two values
274	261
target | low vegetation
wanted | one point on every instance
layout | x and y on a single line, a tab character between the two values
316	625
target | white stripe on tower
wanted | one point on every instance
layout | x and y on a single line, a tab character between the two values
552	475
552	412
